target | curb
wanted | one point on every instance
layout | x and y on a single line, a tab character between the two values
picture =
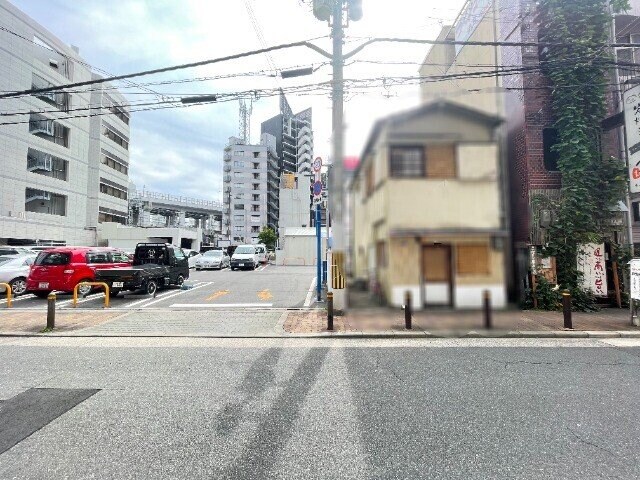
473	334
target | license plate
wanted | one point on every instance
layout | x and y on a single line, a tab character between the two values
43	285
118	284
241	264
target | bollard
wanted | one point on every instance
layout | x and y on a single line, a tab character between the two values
330	311
407	310
486	302
566	309
51	311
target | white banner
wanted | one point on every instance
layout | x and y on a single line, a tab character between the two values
635	278
592	264
632	127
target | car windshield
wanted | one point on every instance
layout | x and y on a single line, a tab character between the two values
245	250
53	258
213	253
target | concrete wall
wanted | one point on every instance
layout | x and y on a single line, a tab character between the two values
116	235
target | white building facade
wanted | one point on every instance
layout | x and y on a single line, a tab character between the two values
51	173
246	196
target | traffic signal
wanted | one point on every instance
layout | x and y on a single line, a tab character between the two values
322	9
355	10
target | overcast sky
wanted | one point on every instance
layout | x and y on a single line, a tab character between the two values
179	151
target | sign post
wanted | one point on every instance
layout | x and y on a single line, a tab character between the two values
317	198
634	275
632	128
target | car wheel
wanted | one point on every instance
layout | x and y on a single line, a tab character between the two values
179	280
197	269
42	293
232	269
18	286
84	289
151	288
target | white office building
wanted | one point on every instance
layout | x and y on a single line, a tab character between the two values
62	171
246	176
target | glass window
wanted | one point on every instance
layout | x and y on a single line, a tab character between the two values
245	249
179	253
53	258
98	257
120	257
407	162
550	138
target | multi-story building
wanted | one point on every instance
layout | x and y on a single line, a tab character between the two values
294	144
246	193
54	161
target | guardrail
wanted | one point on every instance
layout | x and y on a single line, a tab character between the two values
8	288
93	284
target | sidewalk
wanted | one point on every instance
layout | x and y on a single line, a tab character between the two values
268	323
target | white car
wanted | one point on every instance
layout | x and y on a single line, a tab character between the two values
192	256
15	271
212	259
245	257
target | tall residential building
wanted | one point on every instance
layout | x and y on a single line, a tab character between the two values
56	158
248	175
294	144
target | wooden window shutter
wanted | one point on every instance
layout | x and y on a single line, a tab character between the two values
441	161
472	259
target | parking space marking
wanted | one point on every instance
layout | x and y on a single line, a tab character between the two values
259	269
15	299
218	294
307	301
221	305
265	294
181	292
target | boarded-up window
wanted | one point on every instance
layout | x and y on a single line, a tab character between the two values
472	259
381	255
436	266
441	161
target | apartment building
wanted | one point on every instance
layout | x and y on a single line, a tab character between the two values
51	166
293	134
249	180
425	208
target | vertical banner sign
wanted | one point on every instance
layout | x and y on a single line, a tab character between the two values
632	127
591	262
317	183
635	278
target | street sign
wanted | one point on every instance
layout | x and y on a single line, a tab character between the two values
317	188
632	127
317	164
635	278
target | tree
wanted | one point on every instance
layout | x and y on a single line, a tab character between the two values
575	60
268	237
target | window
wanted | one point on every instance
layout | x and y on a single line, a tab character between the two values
256	176
256	197
238	206
635	206
58	99
441	161
255	208
47	164
48	129
406	162
109	215
550	138
472	259
113	189
255	218
120	257
255	229
256	165
238	153
116	109
238	228
179	253
98	257
53	258
115	136
238	185
237	163
114	162
41	201
381	255
256	186
256	154
238	218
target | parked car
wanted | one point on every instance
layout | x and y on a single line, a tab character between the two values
213	259
192	256
15	271
9	250
155	265
245	257
62	268
261	250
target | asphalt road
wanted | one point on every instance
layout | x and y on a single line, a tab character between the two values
319	409
269	286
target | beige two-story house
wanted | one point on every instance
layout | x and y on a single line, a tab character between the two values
427	208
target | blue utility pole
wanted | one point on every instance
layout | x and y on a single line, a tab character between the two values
319	251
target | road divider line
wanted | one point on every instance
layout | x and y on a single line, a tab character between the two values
181	292
221	305
148	299
307	300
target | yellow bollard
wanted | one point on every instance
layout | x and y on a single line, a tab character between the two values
8	288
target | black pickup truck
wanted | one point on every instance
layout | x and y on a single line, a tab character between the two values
155	265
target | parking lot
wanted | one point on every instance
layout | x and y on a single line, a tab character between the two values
269	286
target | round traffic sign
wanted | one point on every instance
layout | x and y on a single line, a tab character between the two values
317	164
317	188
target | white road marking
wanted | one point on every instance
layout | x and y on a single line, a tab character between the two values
221	305
262	268
307	301
181	292
15	299
148	299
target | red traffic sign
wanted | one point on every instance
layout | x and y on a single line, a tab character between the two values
317	164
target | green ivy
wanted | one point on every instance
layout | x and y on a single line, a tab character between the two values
575	64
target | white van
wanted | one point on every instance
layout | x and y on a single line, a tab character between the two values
261	250
245	257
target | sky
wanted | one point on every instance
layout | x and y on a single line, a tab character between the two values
179	151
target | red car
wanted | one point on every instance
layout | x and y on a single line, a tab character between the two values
62	268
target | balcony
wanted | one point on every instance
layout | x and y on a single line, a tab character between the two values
273	163
272	214
227	178
227	157
274	206
227	168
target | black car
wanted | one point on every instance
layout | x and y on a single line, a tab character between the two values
155	265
